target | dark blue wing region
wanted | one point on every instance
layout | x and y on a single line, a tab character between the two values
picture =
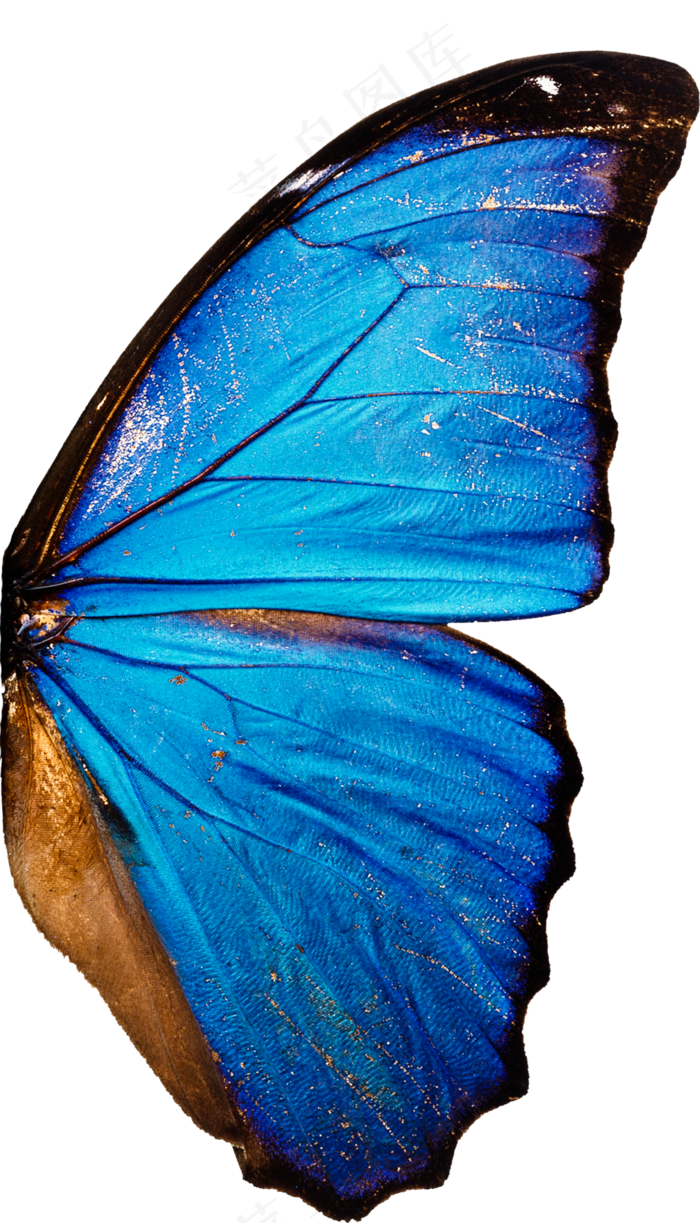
425	339
347	835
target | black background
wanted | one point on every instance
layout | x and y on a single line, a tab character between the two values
127	160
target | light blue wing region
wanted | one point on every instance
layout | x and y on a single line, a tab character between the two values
312	549
424	143
481	250
420	143
432	337
252	345
468	339
346	835
555	174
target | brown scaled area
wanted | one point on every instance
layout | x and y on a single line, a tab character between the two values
81	896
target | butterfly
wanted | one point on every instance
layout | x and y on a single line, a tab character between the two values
53	647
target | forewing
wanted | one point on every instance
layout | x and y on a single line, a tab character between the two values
384	393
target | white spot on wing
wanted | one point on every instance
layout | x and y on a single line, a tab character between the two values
546	83
301	181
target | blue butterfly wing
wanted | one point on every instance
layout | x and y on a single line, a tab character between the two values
382	395
424	451
394	403
347	834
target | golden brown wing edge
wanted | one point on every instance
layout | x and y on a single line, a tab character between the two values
81	896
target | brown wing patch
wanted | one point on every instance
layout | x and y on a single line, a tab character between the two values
81	896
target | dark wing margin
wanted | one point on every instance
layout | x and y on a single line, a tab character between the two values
634	100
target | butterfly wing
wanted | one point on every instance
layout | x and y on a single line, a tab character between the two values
383	393
346	834
278	436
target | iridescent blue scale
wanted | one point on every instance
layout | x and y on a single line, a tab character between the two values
359	943
433	370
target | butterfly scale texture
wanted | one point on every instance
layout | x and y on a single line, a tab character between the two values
430	389
387	404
